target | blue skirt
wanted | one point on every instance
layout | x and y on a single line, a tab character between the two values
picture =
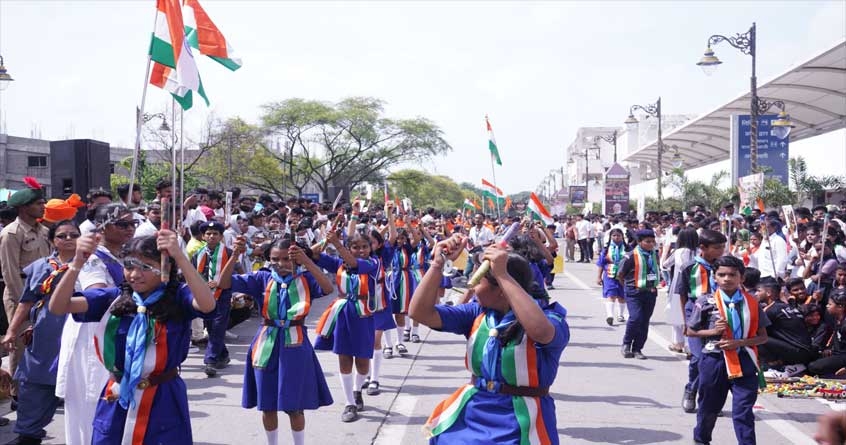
612	288
353	335
489	418
384	320
292	380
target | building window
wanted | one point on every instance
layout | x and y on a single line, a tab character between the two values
111	168
36	161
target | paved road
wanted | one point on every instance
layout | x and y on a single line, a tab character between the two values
600	397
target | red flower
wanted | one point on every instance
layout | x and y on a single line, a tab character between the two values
32	183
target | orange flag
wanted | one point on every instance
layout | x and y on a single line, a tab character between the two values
507	203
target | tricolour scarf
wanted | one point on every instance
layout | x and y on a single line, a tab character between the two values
136	346
741	313
285	299
701	278
613	257
210	264
645	264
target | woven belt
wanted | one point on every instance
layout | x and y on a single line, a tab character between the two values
149	381
509	390
281	323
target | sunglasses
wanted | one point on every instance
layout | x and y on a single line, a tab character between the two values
131	264
64	236
126	224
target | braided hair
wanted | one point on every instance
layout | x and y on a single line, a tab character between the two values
166	309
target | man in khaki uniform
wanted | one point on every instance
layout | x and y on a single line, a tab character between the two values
22	242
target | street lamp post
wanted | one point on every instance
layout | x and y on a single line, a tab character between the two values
746	44
650	110
611	139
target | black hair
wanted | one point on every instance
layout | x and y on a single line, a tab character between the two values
285	243
51	234
688	238
97	193
810	308
519	269
710	237
821	208
730	261
163	184
751	277
838	296
357	236
376	236
794	282
8	213
109	212
194	228
168	307
123	189
526	247
772	284
215	195
236	193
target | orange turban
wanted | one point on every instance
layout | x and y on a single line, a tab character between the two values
61	209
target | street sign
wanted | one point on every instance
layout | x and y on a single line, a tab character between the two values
313	197
578	193
773	153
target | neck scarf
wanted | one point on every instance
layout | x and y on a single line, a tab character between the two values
701	278
613	257
136	346
58	270
644	268
491	368
741	313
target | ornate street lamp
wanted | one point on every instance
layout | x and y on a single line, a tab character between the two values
746	44
611	139
5	78
631	122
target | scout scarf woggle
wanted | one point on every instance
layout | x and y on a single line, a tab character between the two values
136	347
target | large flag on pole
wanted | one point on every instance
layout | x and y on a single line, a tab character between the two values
492	143
203	35
539	212
175	69
492	192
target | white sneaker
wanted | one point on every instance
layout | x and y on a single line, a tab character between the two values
794	370
775	374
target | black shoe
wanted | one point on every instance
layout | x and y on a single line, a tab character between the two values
13	405
25	440
359	400
210	370
610	321
373	388
364	385
220	364
4	421
402	350
696	442
202	343
689	401
350	414
639	355
627	351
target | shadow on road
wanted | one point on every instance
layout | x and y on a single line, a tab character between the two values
593	345
614	400
620	435
602	365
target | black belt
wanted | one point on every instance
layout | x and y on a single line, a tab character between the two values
149	381
509	390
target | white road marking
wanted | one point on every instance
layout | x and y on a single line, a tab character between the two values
783	427
393	430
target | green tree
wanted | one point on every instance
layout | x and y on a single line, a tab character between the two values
808	186
709	194
347	143
427	190
149	174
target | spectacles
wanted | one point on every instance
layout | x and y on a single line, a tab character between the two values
64	236
126	224
131	264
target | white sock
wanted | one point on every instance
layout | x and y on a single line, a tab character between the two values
609	308
359	380
299	437
347	387
388	338
414	329
399	336
272	437
375	365
622	307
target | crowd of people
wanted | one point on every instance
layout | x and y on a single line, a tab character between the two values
748	297
105	297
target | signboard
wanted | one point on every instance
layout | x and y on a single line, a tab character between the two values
578	194
314	197
772	151
747	186
616	190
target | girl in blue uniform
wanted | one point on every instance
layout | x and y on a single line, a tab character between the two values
36	373
383	319
609	262
282	372
346	327
145	331
515	341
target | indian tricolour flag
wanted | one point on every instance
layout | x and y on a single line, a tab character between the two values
203	35
174	68
492	192
539	212
470	204
492	143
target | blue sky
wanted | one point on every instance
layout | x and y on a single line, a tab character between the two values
539	69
